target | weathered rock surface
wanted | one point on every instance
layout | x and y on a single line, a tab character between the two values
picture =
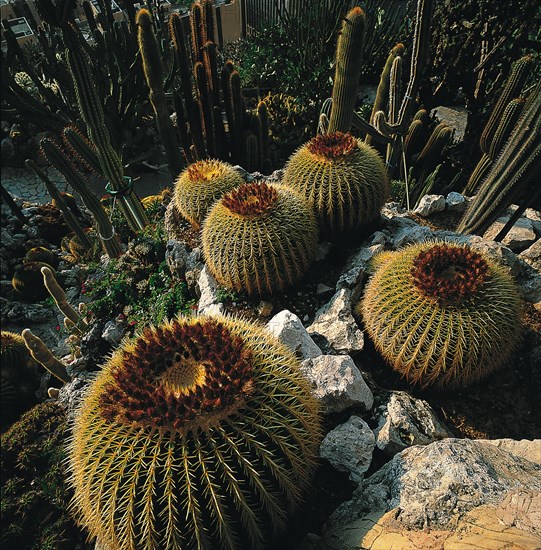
532	255
335	326
356	269
408	421
520	236
208	299
349	447
337	383
288	328
432	487
176	256
455	202
430	204
524	448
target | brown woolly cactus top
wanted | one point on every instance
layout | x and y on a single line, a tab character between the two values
251	199
8	340
179	377
333	145
449	274
204	170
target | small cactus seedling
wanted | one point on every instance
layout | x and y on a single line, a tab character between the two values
200	433
200	185
259	238
441	314
342	178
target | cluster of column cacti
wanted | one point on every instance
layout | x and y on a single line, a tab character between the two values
502	121
200	108
512	176
391	127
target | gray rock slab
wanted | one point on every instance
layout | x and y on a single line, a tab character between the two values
408	421
349	447
288	328
334	323
429	205
337	383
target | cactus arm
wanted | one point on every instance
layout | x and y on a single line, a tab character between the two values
362	125
383	86
153	69
42	354
81	147
106	231
61	300
508	121
205	102
348	69
67	214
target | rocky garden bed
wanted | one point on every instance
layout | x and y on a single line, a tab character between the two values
400	466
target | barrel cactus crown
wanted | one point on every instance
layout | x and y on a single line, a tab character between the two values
259	238
13	350
198	434
200	185
441	314
343	178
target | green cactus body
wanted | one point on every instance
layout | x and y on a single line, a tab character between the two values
348	68
259	238
13	350
28	281
441	314
198	434
342	178
200	185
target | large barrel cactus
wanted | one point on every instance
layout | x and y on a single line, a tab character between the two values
200	185
344	179
441	314
259	238
198	434
27	280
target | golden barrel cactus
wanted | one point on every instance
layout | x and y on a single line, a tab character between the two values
198	434
441	314
27	280
343	178
259	238
200	185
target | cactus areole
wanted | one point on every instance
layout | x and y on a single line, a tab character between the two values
198	434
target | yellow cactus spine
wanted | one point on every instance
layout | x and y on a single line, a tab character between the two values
198	434
259	238
344	180
200	185
441	314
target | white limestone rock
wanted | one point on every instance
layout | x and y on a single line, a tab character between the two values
349	447
408	421
455	202
430	204
335	325
520	236
208	300
288	328
337	383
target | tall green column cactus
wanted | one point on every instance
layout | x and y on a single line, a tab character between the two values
200	433
153	69
513	173
106	231
348	70
91	109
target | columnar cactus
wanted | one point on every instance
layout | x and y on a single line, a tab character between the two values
441	314
259	238
200	185
348	68
198	434
342	178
